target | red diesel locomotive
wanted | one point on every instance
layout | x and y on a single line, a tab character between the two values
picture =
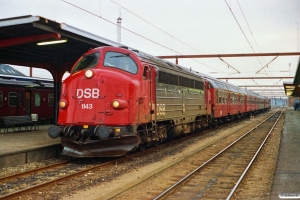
117	100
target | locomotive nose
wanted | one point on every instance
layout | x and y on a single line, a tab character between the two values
54	131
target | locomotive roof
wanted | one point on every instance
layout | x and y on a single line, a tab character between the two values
215	83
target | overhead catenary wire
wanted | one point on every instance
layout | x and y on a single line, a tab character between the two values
156	26
137	34
243	30
248	26
239	26
116	24
255	42
172	37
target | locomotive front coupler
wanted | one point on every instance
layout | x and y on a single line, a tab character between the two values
83	135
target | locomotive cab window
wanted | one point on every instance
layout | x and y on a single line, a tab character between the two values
86	61
120	61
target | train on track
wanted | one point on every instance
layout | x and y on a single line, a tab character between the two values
117	100
26	96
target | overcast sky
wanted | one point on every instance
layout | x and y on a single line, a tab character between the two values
171	27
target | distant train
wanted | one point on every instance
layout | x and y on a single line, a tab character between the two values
117	100
26	96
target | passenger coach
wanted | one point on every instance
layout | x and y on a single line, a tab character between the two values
26	97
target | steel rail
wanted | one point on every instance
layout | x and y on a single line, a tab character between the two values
252	160
29	172
166	192
75	174
162	146
53	182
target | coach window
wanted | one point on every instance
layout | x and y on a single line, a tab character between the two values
86	61
37	99
1	99
51	99
12	99
120	61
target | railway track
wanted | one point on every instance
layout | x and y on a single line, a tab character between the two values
211	173
33	171
35	180
221	175
46	176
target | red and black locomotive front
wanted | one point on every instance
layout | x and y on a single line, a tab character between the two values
98	104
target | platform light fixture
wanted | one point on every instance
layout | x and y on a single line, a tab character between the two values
52	42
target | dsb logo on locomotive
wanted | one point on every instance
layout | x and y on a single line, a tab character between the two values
88	93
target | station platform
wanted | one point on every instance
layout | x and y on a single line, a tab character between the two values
23	147
286	181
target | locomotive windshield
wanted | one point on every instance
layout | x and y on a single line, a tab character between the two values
120	61
87	61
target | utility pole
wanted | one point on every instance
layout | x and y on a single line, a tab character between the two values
119	28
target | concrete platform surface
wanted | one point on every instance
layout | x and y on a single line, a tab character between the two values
13	142
17	148
286	182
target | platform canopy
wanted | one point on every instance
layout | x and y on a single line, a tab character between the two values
19	38
293	88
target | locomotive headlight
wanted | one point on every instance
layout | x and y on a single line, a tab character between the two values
119	104
115	104
89	73
63	104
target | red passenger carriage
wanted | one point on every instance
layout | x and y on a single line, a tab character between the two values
26	96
